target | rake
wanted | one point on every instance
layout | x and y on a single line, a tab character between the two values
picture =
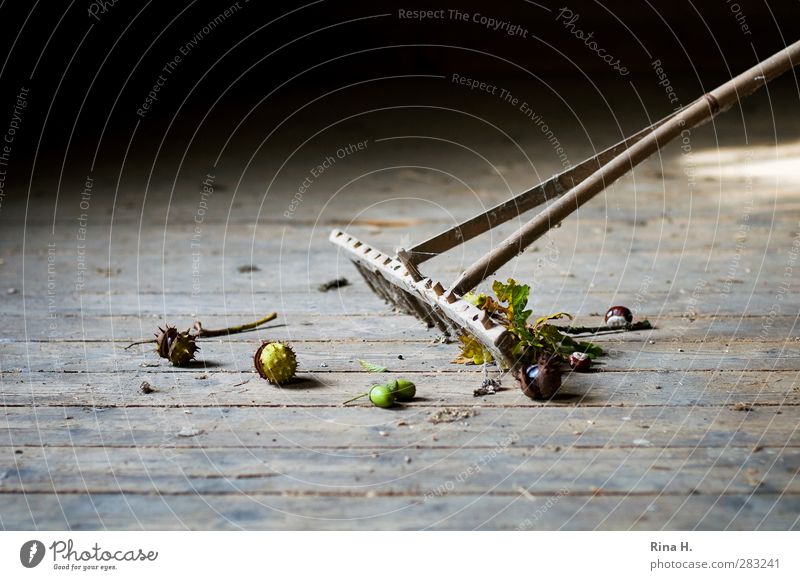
398	279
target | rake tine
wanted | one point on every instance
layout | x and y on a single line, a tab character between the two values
372	280
423	298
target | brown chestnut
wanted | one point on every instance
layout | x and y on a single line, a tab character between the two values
540	380
618	317
580	361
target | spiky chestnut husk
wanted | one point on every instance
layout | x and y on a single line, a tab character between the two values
275	362
178	347
540	380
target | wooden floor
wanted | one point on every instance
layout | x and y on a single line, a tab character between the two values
693	425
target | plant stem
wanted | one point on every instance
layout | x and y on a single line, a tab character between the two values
641	325
203	333
355	399
152	340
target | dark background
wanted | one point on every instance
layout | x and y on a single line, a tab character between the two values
87	77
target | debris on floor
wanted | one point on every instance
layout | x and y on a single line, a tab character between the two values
450	415
190	432
741	406
108	272
333	284
753	477
146	388
247	268
488	387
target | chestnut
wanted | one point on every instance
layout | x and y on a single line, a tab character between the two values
540	380
618	317
580	361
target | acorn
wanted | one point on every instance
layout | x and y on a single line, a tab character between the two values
540	380
275	362
402	389
382	396
178	347
618	317
580	361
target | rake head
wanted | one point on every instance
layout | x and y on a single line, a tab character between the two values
425	299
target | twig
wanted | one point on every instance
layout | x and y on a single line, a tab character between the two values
361	396
151	341
197	330
201	332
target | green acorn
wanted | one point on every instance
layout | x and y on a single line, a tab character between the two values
382	396
402	389
276	362
178	347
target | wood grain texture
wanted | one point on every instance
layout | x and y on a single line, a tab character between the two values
692	425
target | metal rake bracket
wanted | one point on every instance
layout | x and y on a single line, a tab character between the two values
424	298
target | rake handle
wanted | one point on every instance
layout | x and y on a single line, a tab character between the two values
527	200
716	101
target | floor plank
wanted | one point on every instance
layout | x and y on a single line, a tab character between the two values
692	425
531	512
552	424
204	389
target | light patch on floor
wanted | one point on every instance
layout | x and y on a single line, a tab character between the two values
776	162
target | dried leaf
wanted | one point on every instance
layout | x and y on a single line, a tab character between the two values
371	368
472	351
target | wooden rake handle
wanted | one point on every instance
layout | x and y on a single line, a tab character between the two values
519	204
701	111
